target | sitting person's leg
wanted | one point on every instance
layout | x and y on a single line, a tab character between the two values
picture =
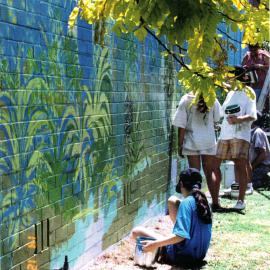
143	231
173	205
260	178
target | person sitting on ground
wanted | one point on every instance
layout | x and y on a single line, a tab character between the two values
234	140
259	154
197	138
192	220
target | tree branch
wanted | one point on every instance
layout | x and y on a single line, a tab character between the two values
242	4
181	48
228	17
220	45
162	45
228	36
180	61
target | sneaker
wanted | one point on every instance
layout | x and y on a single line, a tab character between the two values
240	205
249	190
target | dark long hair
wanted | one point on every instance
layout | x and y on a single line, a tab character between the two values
201	105
191	180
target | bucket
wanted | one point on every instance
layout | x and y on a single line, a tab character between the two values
233	109
142	258
235	190
229	177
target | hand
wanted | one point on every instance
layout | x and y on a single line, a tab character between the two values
149	246
253	67
258	66
232	119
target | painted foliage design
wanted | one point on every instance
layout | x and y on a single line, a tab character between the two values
53	140
58	145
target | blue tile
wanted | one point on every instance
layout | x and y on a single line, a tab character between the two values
33	6
6	30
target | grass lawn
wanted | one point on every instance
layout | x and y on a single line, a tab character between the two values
239	241
242	241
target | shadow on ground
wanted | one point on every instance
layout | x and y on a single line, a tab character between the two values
261	192
196	266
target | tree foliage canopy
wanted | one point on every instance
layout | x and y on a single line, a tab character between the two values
192	29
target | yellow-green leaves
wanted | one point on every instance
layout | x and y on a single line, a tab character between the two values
250	92
185	23
140	33
73	16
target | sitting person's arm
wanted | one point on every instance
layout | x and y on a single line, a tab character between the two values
259	158
180	231
260	143
170	240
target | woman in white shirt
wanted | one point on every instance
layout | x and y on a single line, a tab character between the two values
197	139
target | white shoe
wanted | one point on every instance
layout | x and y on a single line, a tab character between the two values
240	205
249	190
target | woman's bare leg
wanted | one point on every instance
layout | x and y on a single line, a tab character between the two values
211	168
194	162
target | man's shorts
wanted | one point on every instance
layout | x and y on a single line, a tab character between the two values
208	152
232	149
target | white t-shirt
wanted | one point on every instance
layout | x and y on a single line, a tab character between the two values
247	107
200	132
259	140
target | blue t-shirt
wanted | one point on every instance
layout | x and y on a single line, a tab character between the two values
196	233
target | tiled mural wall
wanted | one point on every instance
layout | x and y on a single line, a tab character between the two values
85	132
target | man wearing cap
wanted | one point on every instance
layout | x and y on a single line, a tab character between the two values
239	112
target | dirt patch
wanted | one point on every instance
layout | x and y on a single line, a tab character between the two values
121	257
233	246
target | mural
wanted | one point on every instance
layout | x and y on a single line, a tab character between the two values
84	136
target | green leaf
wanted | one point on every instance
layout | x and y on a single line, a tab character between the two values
141	34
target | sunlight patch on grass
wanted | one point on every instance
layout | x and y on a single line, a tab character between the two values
241	241
264	223
238	239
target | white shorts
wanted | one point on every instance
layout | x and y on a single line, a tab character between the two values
209	152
